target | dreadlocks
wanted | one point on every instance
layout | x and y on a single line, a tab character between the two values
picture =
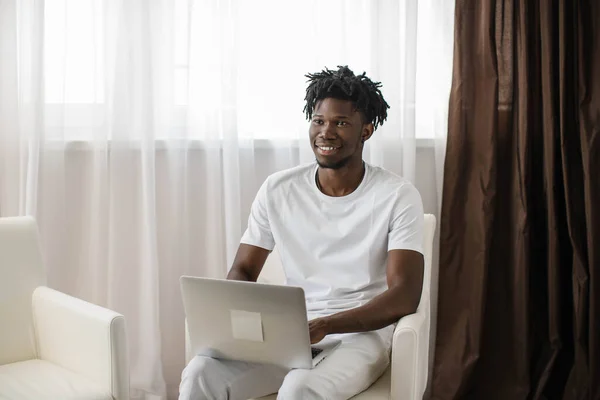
344	85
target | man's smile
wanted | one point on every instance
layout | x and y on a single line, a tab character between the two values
327	150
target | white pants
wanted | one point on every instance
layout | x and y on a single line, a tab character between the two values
352	367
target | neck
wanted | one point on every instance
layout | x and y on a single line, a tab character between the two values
342	181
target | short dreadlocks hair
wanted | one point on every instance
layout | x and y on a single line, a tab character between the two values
344	85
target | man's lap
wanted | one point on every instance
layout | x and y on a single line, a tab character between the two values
359	360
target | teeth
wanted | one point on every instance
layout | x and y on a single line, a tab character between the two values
327	148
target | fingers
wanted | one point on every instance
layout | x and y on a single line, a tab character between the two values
316	337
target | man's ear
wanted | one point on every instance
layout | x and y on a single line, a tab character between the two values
367	132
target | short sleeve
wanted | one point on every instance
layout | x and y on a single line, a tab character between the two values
407	222
259	232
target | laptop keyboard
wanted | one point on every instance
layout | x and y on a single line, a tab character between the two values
315	351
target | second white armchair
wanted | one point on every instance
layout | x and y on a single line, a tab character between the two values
53	346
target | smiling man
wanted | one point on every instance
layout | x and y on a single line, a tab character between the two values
348	233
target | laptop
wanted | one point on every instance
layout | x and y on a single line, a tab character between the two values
250	321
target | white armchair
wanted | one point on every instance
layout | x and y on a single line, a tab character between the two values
406	378
53	346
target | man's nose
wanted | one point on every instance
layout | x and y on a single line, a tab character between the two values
328	131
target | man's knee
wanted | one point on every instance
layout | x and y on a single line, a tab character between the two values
302	384
200	380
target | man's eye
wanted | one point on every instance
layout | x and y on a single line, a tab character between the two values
342	123
318	121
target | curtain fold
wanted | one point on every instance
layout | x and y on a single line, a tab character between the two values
519	314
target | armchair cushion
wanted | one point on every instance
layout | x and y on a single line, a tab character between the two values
38	379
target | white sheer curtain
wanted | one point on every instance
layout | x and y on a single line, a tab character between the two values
137	133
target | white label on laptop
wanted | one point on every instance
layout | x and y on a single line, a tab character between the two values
246	325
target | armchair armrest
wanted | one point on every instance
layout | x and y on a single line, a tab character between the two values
83	338
409	364
188	346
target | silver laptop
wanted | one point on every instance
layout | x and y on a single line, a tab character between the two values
250	321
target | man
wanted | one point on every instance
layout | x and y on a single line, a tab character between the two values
348	233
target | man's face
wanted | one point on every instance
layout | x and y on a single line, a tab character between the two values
337	132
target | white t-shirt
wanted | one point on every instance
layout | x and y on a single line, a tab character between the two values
335	248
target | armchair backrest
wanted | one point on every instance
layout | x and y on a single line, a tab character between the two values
21	271
428	236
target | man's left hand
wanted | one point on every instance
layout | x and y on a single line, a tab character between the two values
319	328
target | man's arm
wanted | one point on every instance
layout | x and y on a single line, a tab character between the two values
248	263
404	272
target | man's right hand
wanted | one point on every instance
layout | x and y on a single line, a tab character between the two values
318	328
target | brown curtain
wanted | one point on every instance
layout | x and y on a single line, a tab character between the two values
519	287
